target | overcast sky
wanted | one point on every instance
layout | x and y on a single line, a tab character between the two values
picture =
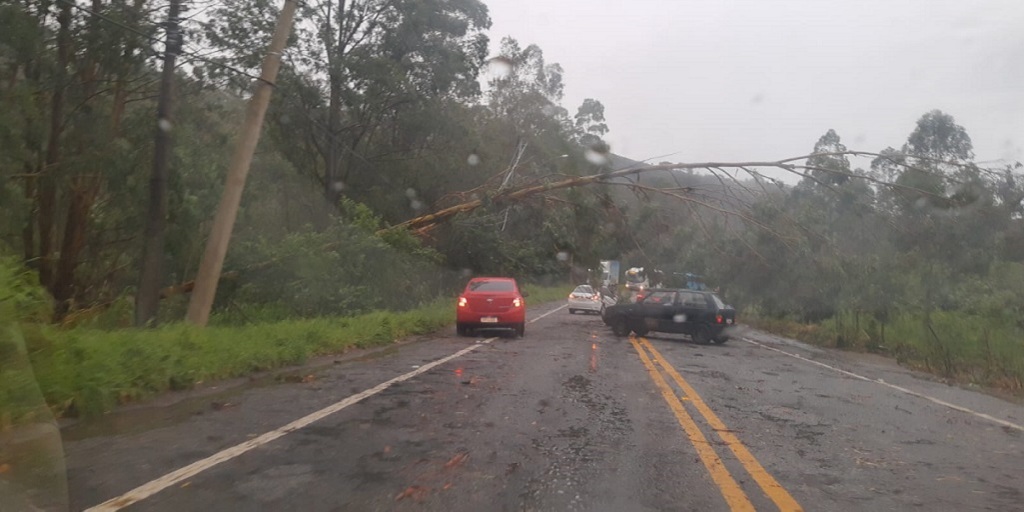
763	79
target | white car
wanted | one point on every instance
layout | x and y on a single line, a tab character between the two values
586	299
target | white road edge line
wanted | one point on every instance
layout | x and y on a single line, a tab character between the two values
998	421
559	308
148	489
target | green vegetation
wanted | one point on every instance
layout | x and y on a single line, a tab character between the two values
960	346
376	120
372	121
86	371
540	294
918	254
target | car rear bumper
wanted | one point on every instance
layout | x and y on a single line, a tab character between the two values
503	320
589	305
490	327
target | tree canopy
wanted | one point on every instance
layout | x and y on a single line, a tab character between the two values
378	117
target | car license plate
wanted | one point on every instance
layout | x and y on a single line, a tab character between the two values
489	320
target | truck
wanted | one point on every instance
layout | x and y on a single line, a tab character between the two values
609	273
638	280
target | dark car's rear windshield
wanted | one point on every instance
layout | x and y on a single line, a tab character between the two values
491	286
718	302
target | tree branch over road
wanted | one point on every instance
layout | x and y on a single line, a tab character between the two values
790	165
423	224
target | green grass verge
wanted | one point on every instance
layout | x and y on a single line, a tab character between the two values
956	345
542	294
85	371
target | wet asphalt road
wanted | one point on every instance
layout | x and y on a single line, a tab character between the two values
572	418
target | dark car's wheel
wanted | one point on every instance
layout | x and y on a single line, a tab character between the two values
619	327
641	329
521	329
462	330
702	335
720	339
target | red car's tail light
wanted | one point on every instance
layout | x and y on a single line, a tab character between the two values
517	302
463	302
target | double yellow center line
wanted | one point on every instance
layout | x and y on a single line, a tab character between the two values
731	491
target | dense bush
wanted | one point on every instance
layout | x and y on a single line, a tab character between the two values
21	297
345	269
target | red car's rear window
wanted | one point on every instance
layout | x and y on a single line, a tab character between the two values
491	286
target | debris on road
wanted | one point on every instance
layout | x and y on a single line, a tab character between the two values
456	460
415	492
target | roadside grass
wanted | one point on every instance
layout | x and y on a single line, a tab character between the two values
542	294
87	371
956	345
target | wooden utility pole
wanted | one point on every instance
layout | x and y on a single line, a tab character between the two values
224	220
147	299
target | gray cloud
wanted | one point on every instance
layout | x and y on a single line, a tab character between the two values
765	78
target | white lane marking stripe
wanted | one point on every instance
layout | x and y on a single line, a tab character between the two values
559	308
146	490
902	389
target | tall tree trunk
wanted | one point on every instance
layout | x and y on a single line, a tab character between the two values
147	300
332	173
335	52
28	231
46	187
117	111
83	195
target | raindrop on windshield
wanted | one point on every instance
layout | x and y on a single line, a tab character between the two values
466	272
562	256
473	159
500	66
410	193
416	204
595	157
338	186
680	318
164	124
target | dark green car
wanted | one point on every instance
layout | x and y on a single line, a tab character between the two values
701	315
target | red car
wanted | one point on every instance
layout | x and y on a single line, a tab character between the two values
491	303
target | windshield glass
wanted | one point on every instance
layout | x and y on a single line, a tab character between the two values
491	286
659	298
459	255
